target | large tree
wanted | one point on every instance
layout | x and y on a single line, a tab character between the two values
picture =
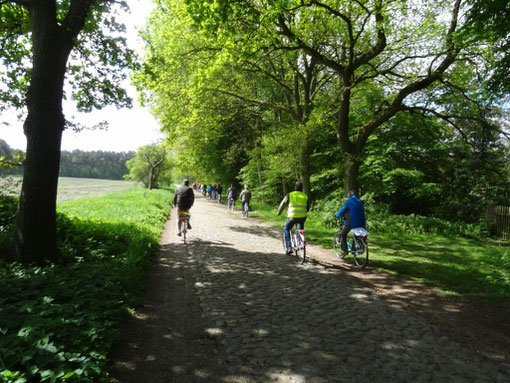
384	53
151	165
45	33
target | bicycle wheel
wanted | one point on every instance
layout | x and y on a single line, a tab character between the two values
337	240
284	243
360	253
300	249
184	230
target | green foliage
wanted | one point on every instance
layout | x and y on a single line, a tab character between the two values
59	322
380	220
488	25
96	68
151	165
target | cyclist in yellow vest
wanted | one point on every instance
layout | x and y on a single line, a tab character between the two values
299	204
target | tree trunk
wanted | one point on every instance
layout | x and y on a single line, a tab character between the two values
286	188
35	237
304	170
151	176
259	167
352	166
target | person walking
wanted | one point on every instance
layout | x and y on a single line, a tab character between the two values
245	198
231	196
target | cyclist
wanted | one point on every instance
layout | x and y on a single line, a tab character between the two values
204	189
299	205
245	198
354	213
183	199
231	196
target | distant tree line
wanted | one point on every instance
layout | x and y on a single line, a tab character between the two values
78	163
96	164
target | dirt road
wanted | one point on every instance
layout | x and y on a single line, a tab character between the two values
229	306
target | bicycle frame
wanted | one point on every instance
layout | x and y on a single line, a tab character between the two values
183	224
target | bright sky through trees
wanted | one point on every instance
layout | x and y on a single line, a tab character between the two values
128	128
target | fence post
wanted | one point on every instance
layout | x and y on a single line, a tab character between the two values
499	217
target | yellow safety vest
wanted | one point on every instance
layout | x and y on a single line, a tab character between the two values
297	205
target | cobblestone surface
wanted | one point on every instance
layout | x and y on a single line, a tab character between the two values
276	321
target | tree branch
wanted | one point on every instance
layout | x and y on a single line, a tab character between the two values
75	19
447	118
285	30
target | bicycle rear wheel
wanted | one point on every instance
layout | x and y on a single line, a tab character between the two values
360	253
184	230
337	240
300	249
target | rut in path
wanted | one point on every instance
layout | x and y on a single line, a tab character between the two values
230	307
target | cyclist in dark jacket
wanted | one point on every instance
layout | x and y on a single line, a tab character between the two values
183	199
354	214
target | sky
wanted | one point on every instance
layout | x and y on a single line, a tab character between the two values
128	128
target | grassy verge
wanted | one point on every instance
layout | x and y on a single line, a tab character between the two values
470	268
58	323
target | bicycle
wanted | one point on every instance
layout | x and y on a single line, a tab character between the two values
297	244
231	203
184	219
246	209
357	245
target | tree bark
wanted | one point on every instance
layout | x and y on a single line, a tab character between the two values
352	166
304	170
35	237
151	176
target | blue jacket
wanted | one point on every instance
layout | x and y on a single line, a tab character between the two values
353	207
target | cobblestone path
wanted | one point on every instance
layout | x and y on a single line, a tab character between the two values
272	320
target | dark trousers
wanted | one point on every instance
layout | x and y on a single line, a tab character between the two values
343	233
289	224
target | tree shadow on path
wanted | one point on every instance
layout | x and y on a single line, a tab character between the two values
238	316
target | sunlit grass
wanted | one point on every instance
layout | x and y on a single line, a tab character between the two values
58	323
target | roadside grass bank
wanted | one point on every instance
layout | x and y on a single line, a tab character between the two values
58	323
428	250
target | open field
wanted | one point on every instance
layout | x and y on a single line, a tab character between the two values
73	188
70	188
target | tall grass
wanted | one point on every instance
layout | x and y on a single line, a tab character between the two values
58	323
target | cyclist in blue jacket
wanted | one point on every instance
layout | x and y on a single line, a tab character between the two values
354	213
